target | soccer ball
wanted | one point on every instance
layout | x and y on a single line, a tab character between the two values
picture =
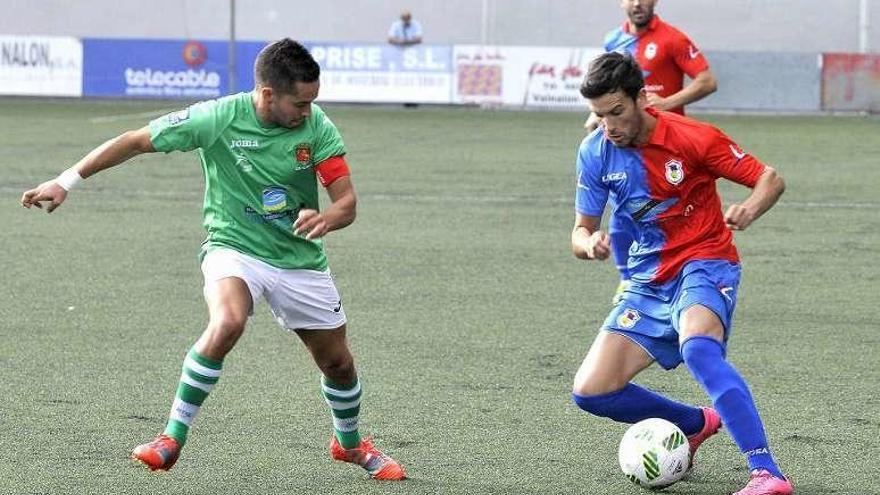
654	453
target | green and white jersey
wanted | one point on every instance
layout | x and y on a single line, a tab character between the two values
256	178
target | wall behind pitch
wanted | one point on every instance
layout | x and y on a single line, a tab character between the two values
544	77
730	25
851	82
764	82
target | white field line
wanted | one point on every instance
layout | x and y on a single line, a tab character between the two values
129	116
433	198
527	199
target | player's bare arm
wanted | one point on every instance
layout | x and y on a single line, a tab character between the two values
341	212
766	192
702	86
587	241
111	153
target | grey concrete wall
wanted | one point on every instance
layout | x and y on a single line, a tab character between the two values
728	25
764	81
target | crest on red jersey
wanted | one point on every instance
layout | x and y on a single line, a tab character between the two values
674	172
651	50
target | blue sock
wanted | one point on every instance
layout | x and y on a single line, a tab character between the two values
704	356
620	243
632	404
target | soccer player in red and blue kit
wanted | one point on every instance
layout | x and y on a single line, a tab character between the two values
660	169
665	55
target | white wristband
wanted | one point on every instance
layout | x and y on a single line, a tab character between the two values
68	179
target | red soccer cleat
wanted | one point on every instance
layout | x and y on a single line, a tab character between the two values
761	482
158	455
365	455
711	425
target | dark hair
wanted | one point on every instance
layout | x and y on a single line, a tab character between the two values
610	72
284	63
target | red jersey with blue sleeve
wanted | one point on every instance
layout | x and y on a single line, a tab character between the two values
666	187
663	52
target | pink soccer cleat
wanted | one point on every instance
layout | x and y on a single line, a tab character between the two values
761	482
712	423
377	464
158	455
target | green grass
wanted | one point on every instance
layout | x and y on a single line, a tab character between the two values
468	314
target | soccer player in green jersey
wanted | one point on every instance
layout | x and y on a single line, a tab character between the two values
262	153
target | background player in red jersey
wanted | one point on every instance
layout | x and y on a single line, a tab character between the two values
665	55
661	169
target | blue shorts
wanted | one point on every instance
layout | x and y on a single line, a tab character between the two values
649	313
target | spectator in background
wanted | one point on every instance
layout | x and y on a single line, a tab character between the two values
665	55
405	31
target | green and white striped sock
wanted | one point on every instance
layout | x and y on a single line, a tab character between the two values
345	406
199	376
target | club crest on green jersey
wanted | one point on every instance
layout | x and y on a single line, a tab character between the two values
303	155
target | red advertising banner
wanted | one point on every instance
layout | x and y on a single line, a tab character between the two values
851	81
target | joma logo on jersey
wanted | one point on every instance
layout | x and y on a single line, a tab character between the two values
674	172
244	143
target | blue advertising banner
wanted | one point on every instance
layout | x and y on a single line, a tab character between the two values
197	70
245	55
155	68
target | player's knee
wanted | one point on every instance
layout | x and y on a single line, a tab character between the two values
587	385
701	351
596	404
699	320
339	368
584	402
227	325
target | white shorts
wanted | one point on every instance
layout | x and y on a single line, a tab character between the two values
299	299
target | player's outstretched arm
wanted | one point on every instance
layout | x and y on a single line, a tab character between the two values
587	241
766	192
109	154
341	212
